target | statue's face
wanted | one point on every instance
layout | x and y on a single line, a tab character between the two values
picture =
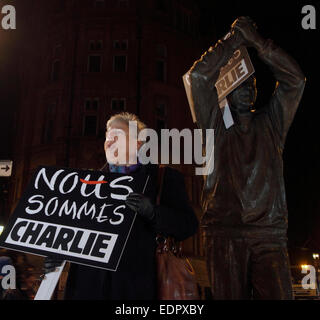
244	97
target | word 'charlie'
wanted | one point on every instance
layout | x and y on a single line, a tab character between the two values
60	239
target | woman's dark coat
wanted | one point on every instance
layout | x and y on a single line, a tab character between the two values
135	278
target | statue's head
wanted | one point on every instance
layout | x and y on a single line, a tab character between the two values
244	97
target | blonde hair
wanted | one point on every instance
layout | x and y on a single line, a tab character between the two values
126	117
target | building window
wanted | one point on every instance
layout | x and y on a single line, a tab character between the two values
17	189
161	5
160	113
99	3
90	125
183	22
59	6
161	109
161	70
48	128
94	63
179	20
87	104
92	104
55	70
160	124
161	54
120	63
120	44
118	105
57	51
123	3
161	51
95	104
90	119
95	45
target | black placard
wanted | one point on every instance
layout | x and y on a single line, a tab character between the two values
77	215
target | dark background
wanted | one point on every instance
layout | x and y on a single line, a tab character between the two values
280	21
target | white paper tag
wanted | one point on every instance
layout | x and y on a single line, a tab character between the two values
226	112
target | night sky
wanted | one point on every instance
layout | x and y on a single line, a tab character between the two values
280	21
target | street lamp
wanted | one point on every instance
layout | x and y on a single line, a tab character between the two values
315	255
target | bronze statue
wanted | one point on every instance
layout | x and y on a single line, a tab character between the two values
245	212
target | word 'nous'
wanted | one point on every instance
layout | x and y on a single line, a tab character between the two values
60	186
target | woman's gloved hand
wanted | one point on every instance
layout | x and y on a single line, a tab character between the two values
50	264
141	204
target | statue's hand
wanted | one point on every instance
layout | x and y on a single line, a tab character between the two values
248	29
237	38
